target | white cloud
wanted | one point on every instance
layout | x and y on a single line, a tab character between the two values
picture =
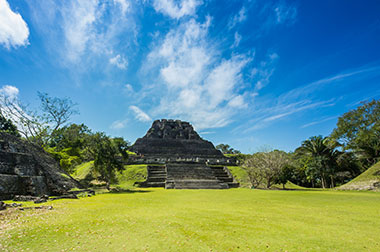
304	98
237	39
176	10
237	102
85	33
79	19
119	61
240	17
313	87
13	29
129	88
196	83
285	13
319	122
9	91
262	74
125	5
118	124
140	115
280	111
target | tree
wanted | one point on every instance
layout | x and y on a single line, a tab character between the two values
265	167
108	157
226	149
359	131
27	121
56	111
285	175
71	136
35	126
323	162
6	125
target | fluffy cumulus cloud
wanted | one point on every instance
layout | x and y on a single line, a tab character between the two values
200	86
9	91
119	61
176	9
14	31
140	115
78	26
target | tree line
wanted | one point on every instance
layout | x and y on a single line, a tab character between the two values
70	144
351	148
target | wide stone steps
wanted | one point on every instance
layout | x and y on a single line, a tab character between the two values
199	184
156	177
221	173
153	184
189	176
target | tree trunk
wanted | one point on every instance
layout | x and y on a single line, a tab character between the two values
283	186
108	185
323	182
332	181
268	184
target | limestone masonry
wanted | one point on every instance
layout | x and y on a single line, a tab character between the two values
180	159
26	169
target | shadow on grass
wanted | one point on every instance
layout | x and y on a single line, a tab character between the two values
122	191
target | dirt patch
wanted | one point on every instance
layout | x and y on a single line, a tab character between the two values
13	217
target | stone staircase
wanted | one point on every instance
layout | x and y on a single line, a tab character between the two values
192	176
223	174
156	176
189	175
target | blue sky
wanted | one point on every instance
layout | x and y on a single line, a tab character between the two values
245	73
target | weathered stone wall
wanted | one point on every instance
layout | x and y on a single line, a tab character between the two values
174	138
26	169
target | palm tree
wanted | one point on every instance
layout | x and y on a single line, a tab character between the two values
324	157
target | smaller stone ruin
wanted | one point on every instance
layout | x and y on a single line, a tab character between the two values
26	169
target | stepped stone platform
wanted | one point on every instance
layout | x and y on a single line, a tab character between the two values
25	169
175	141
189	176
187	161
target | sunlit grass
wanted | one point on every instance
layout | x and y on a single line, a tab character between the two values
200	220
365	180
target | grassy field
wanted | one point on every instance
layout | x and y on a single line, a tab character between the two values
368	180
199	220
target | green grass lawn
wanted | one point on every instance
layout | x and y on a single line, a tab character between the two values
200	220
365	181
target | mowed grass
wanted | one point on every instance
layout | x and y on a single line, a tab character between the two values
366	180
200	220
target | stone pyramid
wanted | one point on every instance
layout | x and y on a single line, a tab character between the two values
180	159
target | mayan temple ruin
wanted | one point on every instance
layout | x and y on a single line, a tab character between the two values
178	158
26	169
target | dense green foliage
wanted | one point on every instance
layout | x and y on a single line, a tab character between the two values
7	126
359	131
71	145
323	160
200	220
108	157
351	148
226	149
